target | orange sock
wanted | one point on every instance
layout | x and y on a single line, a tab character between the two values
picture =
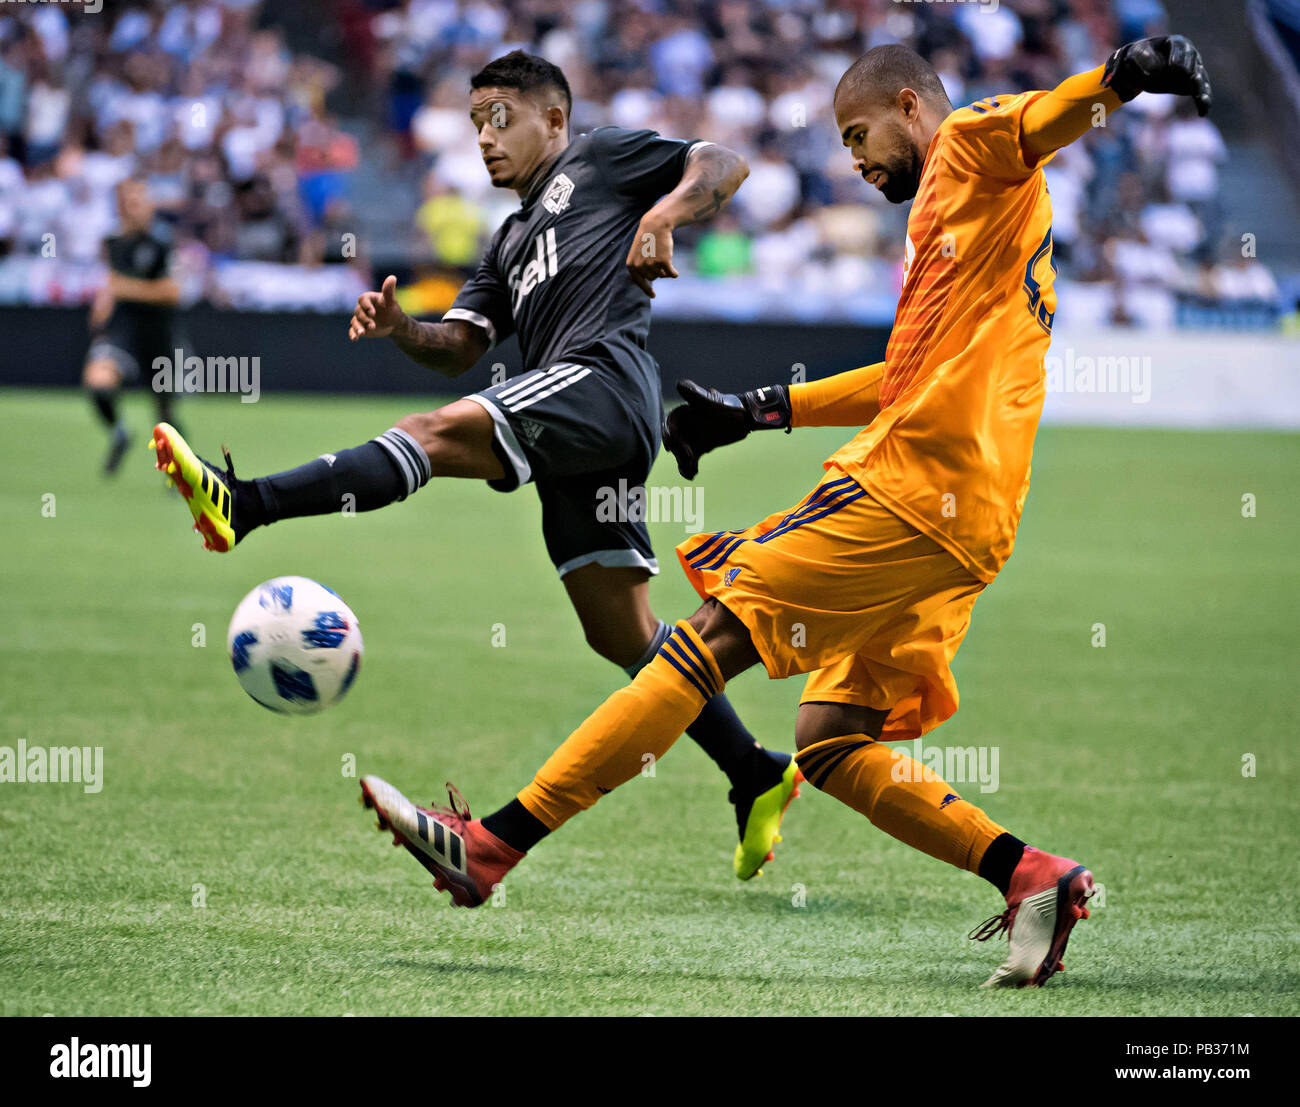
900	796
630	730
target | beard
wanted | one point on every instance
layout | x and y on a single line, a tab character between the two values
903	177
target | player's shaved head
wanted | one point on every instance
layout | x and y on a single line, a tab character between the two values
883	71
888	105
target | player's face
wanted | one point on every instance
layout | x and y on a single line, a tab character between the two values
516	133
133	205
884	141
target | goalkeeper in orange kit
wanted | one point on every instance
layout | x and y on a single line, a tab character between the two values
867	584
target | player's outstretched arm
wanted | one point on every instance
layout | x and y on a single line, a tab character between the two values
709	418
1167	63
848	399
712	175
449	348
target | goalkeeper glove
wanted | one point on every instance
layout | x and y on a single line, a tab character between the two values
1167	63
710	419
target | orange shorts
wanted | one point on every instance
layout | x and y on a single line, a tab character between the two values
842	588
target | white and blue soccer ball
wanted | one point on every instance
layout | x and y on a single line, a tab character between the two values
295	645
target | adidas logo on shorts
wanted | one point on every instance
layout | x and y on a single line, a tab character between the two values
529	430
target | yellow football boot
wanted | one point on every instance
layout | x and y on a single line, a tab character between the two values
206	491
760	825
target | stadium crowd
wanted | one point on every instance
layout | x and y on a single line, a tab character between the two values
232	132
228	127
1138	210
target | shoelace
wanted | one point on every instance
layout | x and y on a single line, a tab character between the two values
230	464
458	812
994	925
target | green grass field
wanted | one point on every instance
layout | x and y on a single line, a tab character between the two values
1127	757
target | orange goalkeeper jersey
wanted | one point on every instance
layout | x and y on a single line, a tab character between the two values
963	382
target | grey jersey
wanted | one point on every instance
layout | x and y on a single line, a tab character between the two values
554	272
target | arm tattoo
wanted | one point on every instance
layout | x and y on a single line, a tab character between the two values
711	207
445	347
712	181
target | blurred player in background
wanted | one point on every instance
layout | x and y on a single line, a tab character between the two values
881	564
570	273
132	318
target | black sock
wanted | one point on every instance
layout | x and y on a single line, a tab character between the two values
167	413
1000	860
105	401
718	731
379	472
515	825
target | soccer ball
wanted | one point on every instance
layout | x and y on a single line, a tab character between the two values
294	645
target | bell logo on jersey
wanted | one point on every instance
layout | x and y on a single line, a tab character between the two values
522	279
558	194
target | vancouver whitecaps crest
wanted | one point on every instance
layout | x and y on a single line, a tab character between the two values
558	194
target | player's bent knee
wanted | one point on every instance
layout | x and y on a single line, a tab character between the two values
612	645
101	373
454	437
727	638
425	427
817	722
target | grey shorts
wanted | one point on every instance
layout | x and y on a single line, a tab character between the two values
585	433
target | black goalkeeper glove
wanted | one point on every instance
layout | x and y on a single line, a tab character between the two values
709	419
1167	63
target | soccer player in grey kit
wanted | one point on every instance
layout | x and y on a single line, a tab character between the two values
570	273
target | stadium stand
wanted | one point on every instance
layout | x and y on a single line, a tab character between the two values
326	144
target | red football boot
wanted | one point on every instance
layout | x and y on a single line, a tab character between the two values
465	859
1046	898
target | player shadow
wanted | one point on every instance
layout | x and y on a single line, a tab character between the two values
442	968
1152	982
814	906
879	979
879	973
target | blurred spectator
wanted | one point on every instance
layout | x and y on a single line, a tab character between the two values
681	59
12	185
264	232
46	115
771	193
454	226
1242	278
13	88
723	250
335	241
1193	149
326	155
